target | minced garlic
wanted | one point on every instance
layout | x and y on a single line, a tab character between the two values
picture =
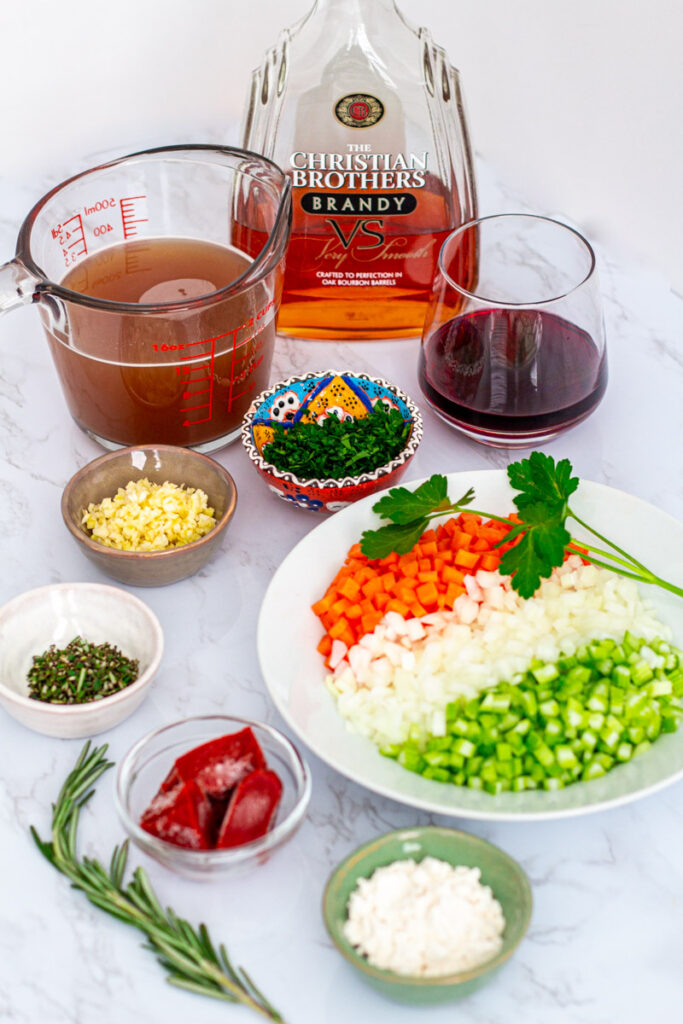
150	517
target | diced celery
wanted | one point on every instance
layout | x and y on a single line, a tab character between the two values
436	758
545	674
390	750
411	759
464	747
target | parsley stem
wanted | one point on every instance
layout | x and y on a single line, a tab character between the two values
582	546
611	544
622	572
446	510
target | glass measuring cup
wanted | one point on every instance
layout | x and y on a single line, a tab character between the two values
157	291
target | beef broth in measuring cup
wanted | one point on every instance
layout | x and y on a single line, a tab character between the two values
185	377
160	326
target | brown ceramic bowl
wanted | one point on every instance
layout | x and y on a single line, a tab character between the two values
103	477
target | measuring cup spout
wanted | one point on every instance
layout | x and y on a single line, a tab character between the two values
17	285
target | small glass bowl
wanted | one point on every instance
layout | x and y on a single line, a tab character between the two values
147	764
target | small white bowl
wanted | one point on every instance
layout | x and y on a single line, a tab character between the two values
56	614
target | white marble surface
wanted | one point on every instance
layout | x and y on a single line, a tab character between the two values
606	939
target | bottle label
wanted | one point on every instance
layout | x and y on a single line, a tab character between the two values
352	218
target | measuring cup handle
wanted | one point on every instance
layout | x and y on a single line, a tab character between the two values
17	285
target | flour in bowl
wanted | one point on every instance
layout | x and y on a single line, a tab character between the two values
424	919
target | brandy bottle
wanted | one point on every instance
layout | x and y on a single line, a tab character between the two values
366	115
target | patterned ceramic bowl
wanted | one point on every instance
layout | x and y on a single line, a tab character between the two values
312	397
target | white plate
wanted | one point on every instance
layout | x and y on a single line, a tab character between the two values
288	633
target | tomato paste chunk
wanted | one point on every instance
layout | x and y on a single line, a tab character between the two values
218	765
181	816
251	809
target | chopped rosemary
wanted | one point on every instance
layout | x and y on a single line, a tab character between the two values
187	953
80	673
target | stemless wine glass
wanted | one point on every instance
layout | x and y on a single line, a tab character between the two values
513	347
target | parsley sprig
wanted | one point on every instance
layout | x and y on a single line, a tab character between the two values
542	538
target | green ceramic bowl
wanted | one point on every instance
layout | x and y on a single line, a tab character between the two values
505	877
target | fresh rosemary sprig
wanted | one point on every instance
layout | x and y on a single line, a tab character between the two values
187	953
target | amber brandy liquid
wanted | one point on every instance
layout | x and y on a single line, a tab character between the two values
359	277
185	377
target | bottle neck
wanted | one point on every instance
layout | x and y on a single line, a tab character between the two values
355	9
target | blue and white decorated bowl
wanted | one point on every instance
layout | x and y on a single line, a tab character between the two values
313	396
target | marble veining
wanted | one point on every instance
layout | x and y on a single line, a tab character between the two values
607	930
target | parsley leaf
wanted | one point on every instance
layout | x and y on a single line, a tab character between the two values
541	547
409	513
540	479
403	506
398	537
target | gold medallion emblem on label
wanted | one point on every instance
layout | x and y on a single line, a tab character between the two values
359	110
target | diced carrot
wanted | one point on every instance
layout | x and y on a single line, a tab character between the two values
425	564
480	545
354	612
350	589
438	564
451	575
405	560
429	549
348	637
397	606
412	568
327	620
427	594
339	627
406	595
339	607
428	577
461	540
450	527
325	645
363	575
466	558
382	600
428	536
453	593
391	559
321	606
387	581
368	622
490	562
372	587
355	551
418	610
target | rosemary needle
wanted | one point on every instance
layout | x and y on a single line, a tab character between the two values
187	953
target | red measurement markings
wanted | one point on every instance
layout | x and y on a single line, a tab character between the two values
133	258
70	236
198	377
132	207
198	380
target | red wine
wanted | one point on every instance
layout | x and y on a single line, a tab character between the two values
512	375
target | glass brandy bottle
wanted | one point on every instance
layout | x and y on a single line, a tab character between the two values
366	115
